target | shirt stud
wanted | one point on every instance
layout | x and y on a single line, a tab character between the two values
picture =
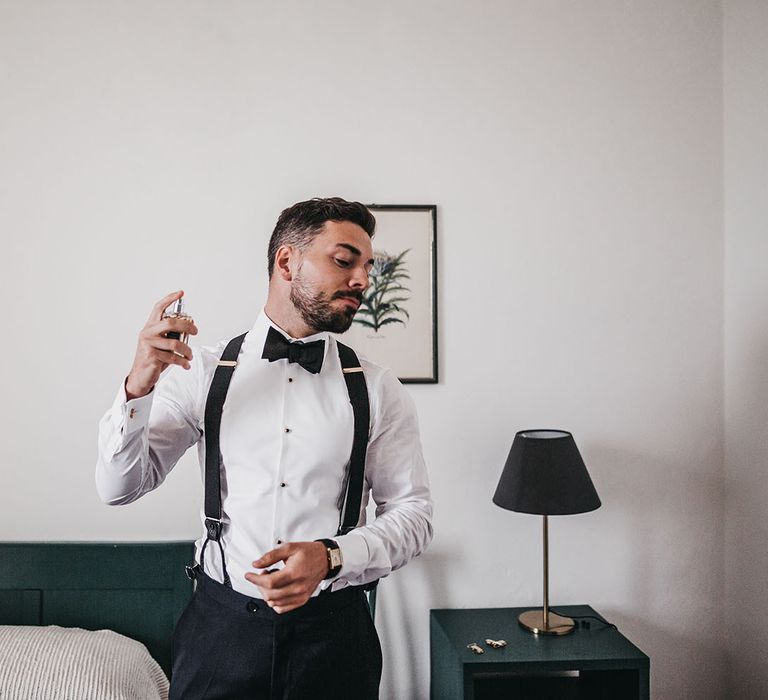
132	413
286	430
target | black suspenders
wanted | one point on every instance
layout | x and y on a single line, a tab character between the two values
358	397
214	406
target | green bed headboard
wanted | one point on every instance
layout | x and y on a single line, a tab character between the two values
136	589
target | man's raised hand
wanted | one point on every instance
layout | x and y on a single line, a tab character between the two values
155	352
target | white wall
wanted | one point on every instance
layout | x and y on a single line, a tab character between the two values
574	151
746	333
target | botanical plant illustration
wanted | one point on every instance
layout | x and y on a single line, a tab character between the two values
382	302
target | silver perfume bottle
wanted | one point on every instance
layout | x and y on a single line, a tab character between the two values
176	310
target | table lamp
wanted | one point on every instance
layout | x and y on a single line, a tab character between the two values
545	475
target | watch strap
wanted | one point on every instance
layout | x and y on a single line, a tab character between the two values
333	551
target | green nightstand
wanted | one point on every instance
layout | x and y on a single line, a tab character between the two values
597	663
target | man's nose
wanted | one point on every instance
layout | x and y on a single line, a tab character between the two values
360	279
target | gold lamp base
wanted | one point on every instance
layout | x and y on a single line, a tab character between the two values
533	621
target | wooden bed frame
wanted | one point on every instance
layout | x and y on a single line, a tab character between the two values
136	589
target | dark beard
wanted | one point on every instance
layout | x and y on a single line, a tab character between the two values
315	308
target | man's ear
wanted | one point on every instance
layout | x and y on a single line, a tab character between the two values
286	260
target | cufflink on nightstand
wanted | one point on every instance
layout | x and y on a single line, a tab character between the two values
496	643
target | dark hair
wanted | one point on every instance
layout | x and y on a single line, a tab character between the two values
299	223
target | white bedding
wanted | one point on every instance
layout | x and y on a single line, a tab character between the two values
67	663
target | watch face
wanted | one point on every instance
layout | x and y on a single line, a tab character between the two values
335	558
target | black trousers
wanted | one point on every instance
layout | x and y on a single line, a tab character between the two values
228	645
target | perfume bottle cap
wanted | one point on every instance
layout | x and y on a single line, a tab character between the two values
176	309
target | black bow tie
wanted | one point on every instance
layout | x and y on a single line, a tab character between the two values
308	355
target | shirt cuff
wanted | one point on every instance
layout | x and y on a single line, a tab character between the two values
132	414
354	554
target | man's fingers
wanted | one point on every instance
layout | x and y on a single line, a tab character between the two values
277	580
171	358
272	557
274	592
171	345
163	304
279	599
285	606
180	325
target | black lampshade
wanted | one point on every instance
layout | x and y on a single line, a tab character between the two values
545	475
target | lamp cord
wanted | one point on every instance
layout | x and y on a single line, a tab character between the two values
585	617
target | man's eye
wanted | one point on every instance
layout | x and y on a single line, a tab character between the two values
341	262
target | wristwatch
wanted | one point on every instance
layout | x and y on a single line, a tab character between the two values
334	557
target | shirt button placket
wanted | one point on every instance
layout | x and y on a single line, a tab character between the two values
286	431
282	483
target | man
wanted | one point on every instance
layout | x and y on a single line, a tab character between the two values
277	613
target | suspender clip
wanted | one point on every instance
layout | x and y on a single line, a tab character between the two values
213	528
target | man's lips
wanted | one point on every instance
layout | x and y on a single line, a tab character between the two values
350	301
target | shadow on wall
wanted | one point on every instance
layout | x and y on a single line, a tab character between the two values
404	601
664	521
746	478
703	656
657	567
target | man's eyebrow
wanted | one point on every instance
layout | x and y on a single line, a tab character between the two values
352	249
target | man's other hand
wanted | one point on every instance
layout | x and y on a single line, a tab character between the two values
306	564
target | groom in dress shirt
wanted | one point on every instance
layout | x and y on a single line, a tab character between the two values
289	626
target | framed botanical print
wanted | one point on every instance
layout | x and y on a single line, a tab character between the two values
396	324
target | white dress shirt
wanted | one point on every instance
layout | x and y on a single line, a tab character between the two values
286	438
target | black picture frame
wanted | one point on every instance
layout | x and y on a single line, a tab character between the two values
396	326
